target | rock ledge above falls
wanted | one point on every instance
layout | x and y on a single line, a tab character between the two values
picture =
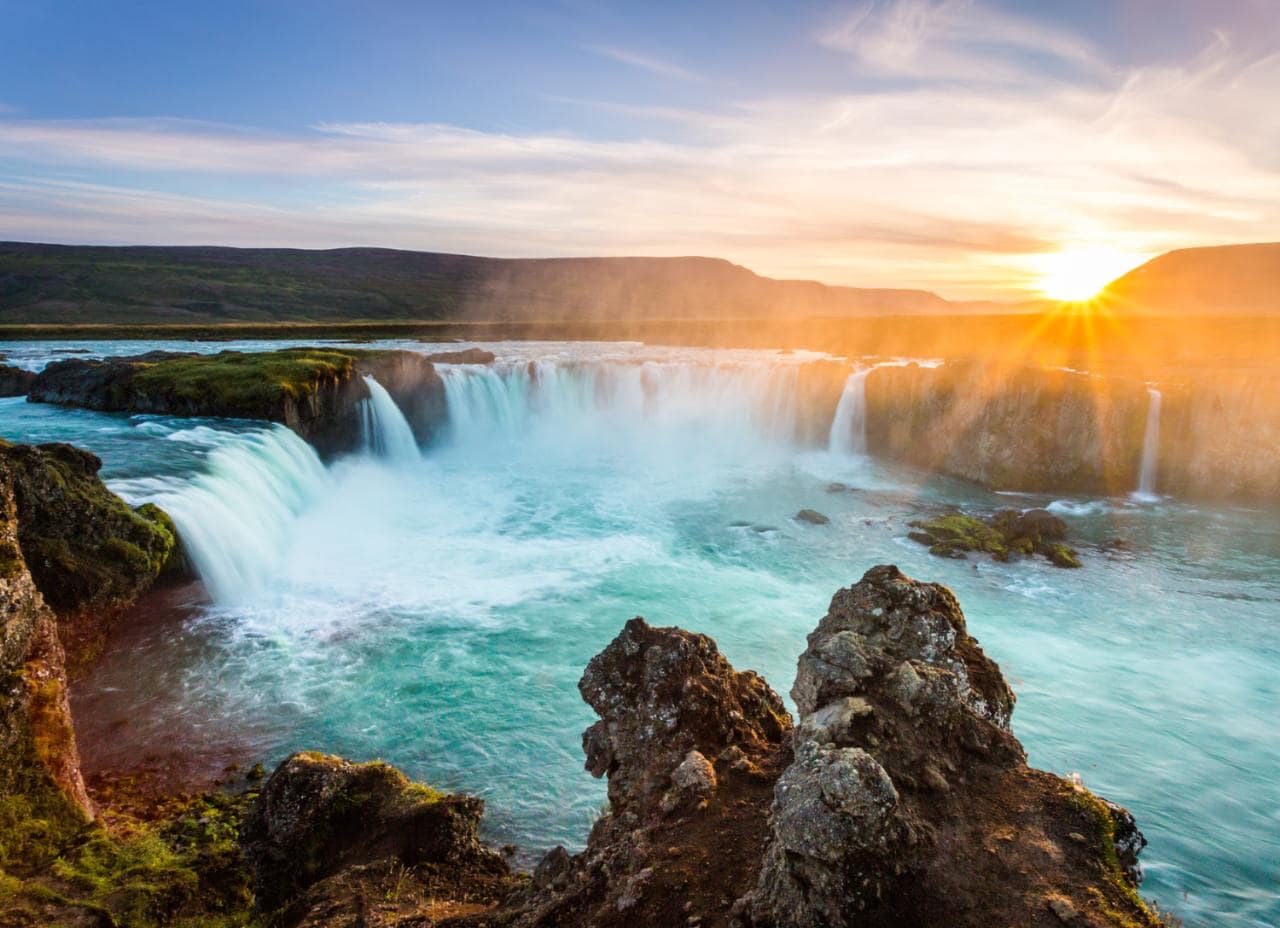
313	391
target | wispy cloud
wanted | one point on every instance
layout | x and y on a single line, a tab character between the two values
937	182
952	40
644	62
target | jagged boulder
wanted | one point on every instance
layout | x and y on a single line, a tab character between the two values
909	801
322	822
662	693
691	748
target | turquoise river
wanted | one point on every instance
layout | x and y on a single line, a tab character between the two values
436	607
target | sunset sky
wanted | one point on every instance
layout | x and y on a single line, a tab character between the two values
946	144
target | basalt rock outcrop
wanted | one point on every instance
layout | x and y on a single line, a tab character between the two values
324	831
90	555
691	748
314	391
910	801
901	798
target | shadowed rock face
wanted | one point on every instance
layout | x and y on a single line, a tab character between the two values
14	381
663	694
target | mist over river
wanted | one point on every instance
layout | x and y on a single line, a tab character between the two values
436	609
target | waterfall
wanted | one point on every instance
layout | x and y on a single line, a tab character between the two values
234	517
1150	448
673	404
849	427
384	431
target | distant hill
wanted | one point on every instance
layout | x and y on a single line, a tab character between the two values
92	284
1223	280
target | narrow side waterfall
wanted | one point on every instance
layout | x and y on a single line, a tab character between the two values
1150	447
234	518
849	426
384	431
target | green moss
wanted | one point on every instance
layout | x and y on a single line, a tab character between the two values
85	547
10	560
253	382
182	869
1123	907
955	533
1005	535
1062	555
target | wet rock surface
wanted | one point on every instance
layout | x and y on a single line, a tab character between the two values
1005	535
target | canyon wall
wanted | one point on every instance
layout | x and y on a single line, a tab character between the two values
1038	430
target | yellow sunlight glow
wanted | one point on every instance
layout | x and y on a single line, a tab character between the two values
1078	274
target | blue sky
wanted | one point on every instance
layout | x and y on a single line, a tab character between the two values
952	144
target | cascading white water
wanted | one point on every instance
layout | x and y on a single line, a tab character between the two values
849	427
1150	448
384	431
234	518
676	405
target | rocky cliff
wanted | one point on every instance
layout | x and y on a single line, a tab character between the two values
313	391
40	784
1009	428
89	554
1220	438
1040	430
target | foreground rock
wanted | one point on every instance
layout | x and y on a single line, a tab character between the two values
1005	535
324	831
313	391
900	799
910	801
691	748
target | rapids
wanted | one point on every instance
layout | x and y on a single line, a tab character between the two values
437	609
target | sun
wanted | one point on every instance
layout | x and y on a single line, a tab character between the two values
1075	275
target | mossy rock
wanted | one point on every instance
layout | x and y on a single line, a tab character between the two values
1005	535
83	544
318	815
